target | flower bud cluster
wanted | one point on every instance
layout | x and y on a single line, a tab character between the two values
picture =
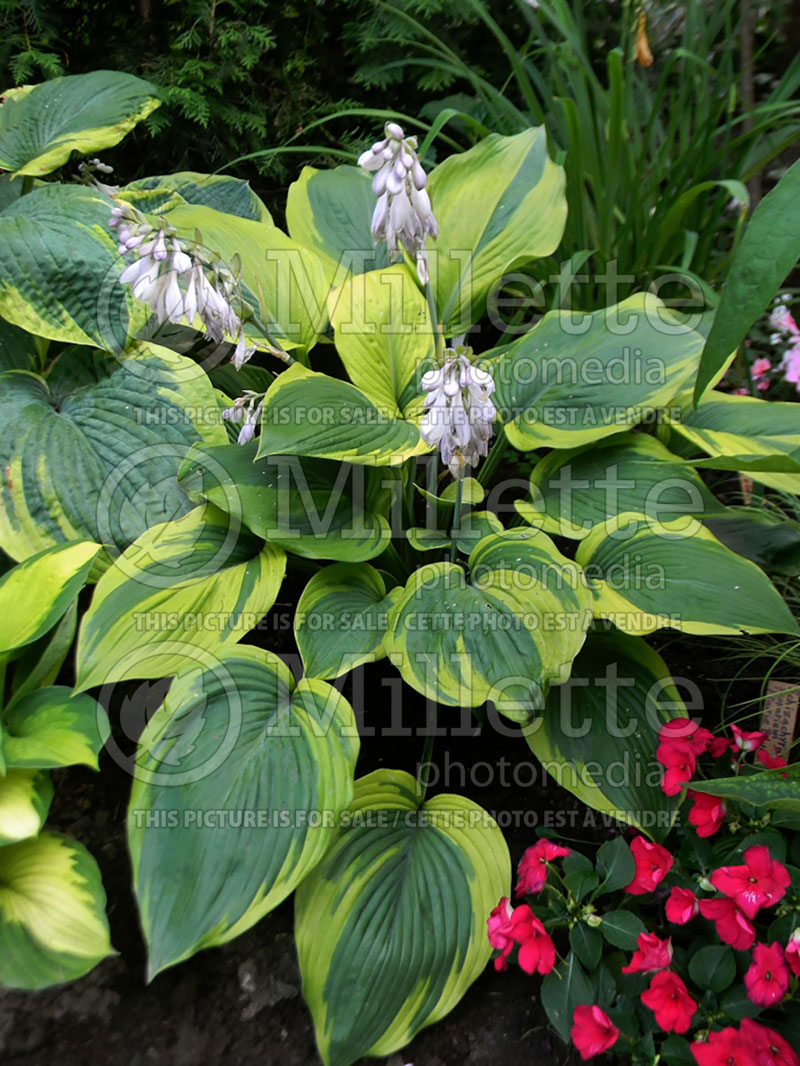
459	413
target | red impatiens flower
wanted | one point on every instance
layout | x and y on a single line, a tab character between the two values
747	741
670	1001
499	923
537	952
681	906
651	954
732	924
772	762
718	747
767	979
679	762
687	730
792	952
761	882
724	1047
653	863
593	1032
707	814
532	868
770	1048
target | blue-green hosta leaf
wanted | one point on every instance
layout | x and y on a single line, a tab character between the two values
92	452
25	797
577	489
391	927
18	349
201	581
53	925
320	416
330	211
37	592
59	268
241	776
40	663
341	619
220	191
504	630
729	426
311	507
498	205
42	125
384	337
598	733
565	384
773	789
644	577
51	728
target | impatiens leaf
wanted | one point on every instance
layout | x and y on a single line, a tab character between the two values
42	125
240	778
53	925
391	927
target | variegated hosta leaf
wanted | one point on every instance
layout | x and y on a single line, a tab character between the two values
92	451
331	212
37	592
42	125
758	431
25	797
40	663
598	733
341	619
564	383
320	416
312	507
575	490
384	337
391	928
504	629
202	581
498	205
50	728
53	926
220	191
241	776
644	576
59	268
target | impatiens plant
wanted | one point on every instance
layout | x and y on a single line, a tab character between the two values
357	441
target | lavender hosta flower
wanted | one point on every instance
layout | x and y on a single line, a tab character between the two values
459	412
173	279
403	213
249	419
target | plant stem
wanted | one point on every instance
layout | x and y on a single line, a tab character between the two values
425	764
438	339
496	453
455	529
27	184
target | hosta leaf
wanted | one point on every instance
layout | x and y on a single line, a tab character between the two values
240	778
319	416
220	191
563	384
59	268
384	337
25	797
575	490
92	452
41	127
199	581
341	619
53	925
40	662
311	507
774	789
36	593
498	205
17	348
644	578
504	633
598	733
391	928
740	426
51	728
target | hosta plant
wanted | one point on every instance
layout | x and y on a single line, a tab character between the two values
368	442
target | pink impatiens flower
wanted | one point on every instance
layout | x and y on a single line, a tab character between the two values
724	1047
769	1047
747	742
532	868
499	924
593	1032
761	882
681	906
537	952
707	814
792	952
679	761
687	731
670	1001
767	979
718	747
651	954
653	863
732	924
